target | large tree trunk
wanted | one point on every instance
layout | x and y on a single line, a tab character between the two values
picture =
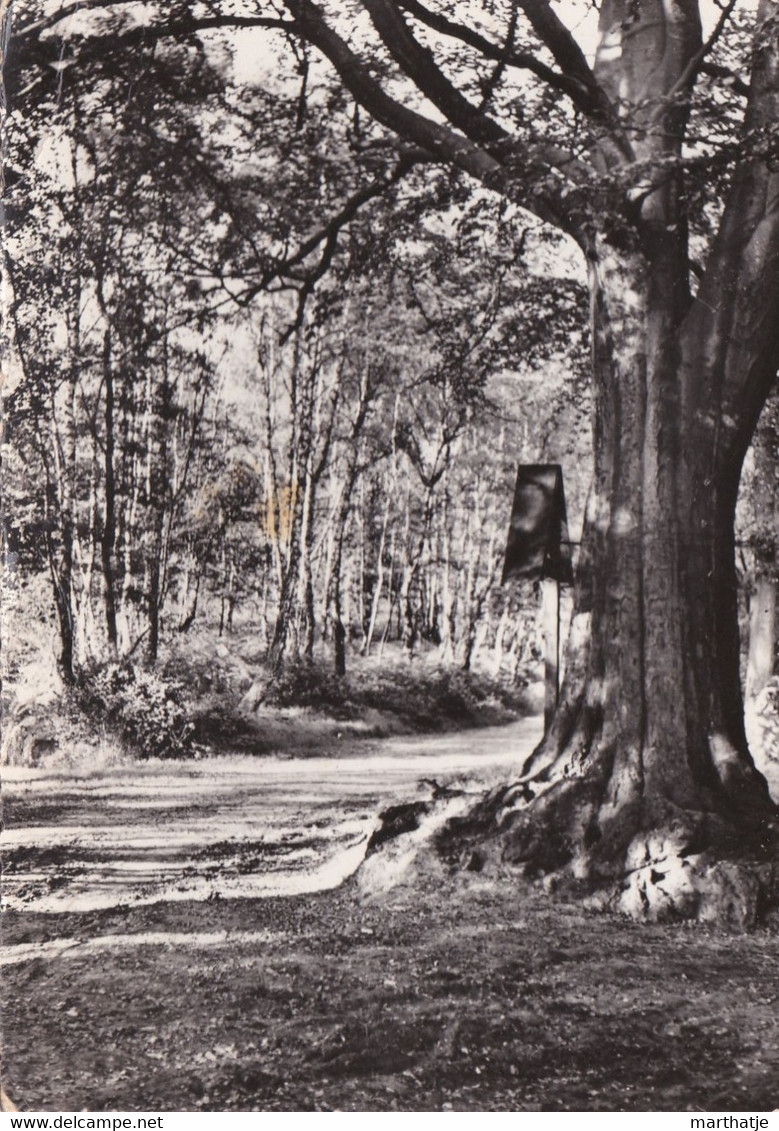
644	786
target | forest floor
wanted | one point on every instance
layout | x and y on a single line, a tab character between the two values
141	972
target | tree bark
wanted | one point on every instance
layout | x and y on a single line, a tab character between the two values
336	579
762	634
63	560
189	605
108	533
378	585
157	492
764	536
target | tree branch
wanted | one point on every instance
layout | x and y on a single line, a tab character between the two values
490	84
171	27
331	229
38	26
736	310
419	64
32	46
733	81
567	53
441	141
586	96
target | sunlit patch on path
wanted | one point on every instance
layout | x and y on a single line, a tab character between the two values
226	827
80	948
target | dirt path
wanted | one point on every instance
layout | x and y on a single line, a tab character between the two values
142	974
228	827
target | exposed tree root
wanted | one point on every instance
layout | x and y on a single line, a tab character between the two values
655	865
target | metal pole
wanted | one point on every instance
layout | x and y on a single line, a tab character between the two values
551	629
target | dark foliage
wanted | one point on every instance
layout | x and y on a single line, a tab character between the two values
149	715
423	699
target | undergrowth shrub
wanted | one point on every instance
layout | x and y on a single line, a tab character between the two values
426	698
431	698
307	684
148	714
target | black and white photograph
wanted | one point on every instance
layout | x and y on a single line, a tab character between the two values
389	518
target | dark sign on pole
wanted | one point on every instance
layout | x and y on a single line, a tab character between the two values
538	547
538	533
